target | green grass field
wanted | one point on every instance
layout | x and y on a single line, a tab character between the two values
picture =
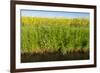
54	35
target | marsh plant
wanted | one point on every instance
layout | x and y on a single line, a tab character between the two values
41	35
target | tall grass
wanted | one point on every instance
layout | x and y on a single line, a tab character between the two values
39	35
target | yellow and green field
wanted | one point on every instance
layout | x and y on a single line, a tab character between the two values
49	39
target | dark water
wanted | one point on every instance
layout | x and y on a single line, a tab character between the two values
37	57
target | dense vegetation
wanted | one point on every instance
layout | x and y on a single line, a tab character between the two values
64	35
54	34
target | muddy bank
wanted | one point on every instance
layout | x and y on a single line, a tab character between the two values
55	56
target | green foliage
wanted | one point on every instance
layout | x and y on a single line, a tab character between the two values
54	34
